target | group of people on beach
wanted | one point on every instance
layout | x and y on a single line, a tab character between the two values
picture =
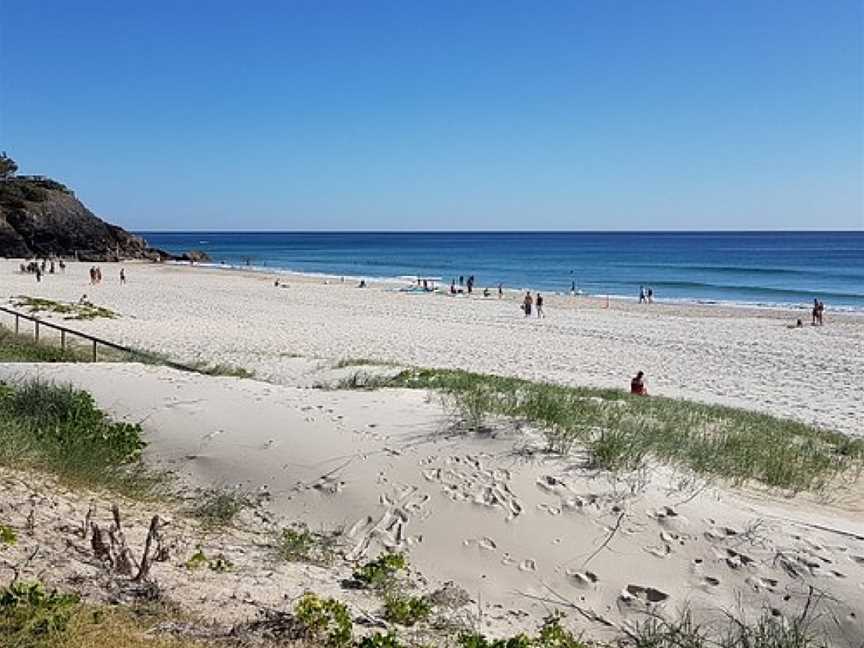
95	275
39	269
530	301
646	295
817	312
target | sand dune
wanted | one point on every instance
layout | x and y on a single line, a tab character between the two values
520	530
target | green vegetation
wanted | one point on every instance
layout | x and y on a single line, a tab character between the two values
621	431
765	632
381	573
58	428
379	640
219	507
551	635
21	348
8	166
199	560
7	535
325	622
220	369
83	310
361	380
29	614
361	362
299	544
406	610
30	617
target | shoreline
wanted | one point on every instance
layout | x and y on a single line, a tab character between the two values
695	303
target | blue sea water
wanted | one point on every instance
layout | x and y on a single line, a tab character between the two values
766	268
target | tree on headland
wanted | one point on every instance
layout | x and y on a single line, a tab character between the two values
8	166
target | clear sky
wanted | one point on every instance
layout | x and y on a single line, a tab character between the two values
582	114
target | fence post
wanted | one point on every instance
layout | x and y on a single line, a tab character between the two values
94	350
37	330
62	340
16	323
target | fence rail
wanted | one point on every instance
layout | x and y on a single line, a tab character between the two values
94	341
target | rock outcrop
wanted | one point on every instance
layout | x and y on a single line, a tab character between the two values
41	218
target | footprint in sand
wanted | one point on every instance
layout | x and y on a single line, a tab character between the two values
736	560
643	594
710	582
759	583
857	559
485	543
528	565
582	580
661	551
507	560
212	435
548	508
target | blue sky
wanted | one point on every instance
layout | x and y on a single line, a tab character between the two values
681	114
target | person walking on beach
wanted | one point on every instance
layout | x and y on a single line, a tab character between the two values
539	306
500	291
637	385
641	294
527	304
650	295
122	276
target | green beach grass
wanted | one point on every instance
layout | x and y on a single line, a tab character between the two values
621	431
58	429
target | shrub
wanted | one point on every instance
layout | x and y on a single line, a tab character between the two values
29	613
381	572
7	535
299	544
324	620
406	610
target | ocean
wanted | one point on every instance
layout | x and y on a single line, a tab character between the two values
757	268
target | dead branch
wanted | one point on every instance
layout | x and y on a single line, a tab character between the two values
606	541
152	535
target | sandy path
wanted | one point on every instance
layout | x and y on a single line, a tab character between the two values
737	357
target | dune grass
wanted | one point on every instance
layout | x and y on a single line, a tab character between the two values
219	507
83	310
58	429
22	348
621	431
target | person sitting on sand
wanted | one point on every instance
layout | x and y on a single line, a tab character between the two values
362	283
486	292
637	385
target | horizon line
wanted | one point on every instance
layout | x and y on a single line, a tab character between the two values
849	229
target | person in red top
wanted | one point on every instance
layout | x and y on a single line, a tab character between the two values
637	385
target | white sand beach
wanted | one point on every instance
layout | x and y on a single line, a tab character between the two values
521	531
732	356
